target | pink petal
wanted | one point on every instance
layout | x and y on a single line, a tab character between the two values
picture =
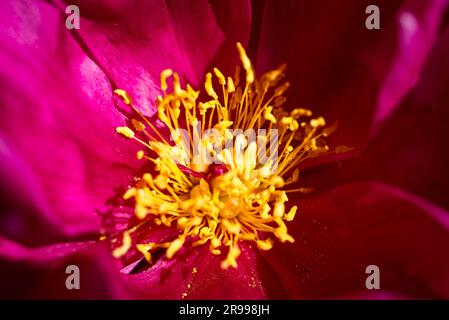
58	121
340	69
145	37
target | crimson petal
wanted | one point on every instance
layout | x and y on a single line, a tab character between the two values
341	232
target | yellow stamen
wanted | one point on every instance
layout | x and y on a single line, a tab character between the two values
124	95
140	154
164	75
123	249
243	199
127	132
174	247
265	244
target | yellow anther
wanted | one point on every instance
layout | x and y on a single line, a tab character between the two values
161	181
268	115
123	249
265	211
231	227
208	86
124	95
144	250
290	123
230	87
231	259
291	214
278	182
265	244
319	122
148	178
127	132
193	95
223	125
220	76
131	192
299	112
280	196
215	243
164	75
250	159
177	85
174	247
283	236
246	63
279	209
286	120
182	222
266	170
140	154
140	211
203	107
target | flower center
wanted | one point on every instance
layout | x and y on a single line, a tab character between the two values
216	179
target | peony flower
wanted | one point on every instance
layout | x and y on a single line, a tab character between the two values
147	227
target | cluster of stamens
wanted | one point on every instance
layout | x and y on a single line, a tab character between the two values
236	197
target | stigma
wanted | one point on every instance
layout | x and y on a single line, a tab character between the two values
217	185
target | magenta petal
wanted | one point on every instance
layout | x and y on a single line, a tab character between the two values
58	120
195	273
253	278
147	37
12	251
418	26
25	213
341	232
410	151
340	69
40	273
412	147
